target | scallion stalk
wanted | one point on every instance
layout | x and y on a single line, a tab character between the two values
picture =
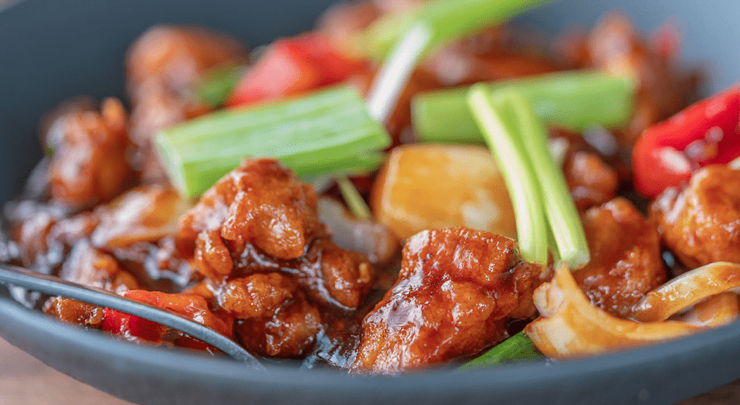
516	348
326	132
446	20
217	85
562	216
354	200
572	100
495	119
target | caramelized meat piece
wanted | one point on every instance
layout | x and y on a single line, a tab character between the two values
625	257
88	163
260	202
47	236
73	311
616	46
456	291
700	223
256	295
190	306
591	181
143	214
343	20
173	59
289	333
329	274
92	267
162	68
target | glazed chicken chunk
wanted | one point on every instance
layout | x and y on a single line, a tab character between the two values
457	289
625	257
88	162
269	261
700	222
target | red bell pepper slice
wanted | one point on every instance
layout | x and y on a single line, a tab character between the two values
292	67
705	133
133	327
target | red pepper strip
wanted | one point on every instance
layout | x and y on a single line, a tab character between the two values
132	327
292	67
705	133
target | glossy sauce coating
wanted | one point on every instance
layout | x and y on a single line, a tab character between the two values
700	223
456	290
625	257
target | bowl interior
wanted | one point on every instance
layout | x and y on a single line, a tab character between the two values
50	51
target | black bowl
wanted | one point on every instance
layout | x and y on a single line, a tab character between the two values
51	50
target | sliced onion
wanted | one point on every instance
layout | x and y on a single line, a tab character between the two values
569	326
370	238
714	311
686	290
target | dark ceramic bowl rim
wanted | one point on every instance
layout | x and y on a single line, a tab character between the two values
441	380
707	345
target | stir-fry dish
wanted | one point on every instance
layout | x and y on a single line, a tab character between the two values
411	184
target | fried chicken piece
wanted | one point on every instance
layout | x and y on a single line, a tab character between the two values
88	162
289	333
260	202
174	58
162	68
456	290
615	45
92	267
700	222
625	257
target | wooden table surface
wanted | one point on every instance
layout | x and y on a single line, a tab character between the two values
25	380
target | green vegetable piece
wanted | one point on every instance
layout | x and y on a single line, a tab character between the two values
354	200
572	100
447	20
562	216
516	348
497	121
329	131
217	85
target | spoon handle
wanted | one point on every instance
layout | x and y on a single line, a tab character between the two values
51	285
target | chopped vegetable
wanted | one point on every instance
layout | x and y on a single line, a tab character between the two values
516	348
326	132
686	290
569	326
496	119
572	100
217	85
292	67
705	133
427	186
446	20
409	36
560	210
354	200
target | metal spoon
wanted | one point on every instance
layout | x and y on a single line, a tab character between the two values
51	285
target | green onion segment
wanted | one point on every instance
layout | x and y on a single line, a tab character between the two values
357	205
562	216
447	20
329	131
217	85
572	100
516	348
495	119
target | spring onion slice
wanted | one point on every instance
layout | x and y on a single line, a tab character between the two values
494	118
217	85
447	21
514	349
562	216
572	100
329	131
354	200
